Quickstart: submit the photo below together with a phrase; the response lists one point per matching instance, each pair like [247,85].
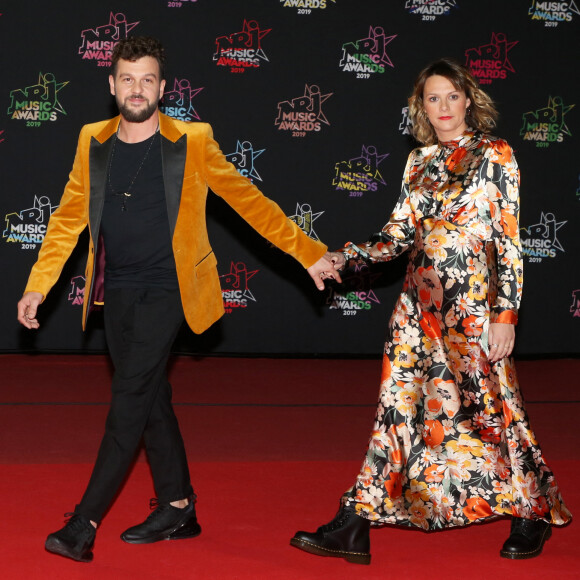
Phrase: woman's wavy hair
[480,115]
[136,47]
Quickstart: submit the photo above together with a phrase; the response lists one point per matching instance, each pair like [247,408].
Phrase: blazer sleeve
[263,214]
[64,227]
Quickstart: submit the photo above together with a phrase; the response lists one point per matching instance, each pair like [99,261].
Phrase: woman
[451,444]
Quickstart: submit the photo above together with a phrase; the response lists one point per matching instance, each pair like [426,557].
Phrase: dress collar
[462,141]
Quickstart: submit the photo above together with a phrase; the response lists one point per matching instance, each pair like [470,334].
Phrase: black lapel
[173,159]
[98,167]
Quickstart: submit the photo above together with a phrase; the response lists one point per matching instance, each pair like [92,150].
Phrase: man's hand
[27,308]
[323,269]
[501,340]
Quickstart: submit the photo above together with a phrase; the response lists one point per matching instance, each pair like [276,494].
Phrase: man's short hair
[136,47]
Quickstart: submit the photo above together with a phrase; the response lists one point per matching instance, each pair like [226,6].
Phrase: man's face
[137,88]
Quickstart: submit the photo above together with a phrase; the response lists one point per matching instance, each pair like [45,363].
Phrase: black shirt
[135,228]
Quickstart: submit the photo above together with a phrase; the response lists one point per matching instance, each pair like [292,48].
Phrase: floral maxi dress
[452,443]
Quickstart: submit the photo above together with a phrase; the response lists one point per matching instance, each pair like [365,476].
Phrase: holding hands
[326,267]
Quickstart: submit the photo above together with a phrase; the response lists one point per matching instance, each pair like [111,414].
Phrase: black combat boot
[346,536]
[526,539]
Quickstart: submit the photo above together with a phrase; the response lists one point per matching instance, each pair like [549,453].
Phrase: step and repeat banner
[308,99]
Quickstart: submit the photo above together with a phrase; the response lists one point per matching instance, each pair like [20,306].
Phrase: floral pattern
[452,443]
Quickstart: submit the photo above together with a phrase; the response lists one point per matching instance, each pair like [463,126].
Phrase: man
[139,182]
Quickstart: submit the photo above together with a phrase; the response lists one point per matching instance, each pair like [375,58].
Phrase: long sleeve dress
[452,443]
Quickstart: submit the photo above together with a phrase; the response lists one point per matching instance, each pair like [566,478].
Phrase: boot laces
[336,523]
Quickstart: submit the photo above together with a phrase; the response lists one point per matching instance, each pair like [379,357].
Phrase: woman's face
[445,107]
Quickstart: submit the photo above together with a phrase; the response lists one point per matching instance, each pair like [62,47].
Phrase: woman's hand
[501,340]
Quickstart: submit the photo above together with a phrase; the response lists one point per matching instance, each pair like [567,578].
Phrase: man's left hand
[323,269]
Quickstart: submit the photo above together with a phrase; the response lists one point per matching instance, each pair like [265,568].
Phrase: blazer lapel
[173,155]
[99,154]
[173,158]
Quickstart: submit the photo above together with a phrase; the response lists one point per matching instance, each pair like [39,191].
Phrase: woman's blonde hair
[480,115]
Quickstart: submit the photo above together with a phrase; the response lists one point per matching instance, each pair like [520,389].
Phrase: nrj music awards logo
[235,288]
[28,226]
[76,296]
[98,43]
[304,218]
[360,174]
[178,103]
[553,12]
[368,55]
[546,125]
[405,126]
[575,308]
[241,50]
[430,9]
[541,240]
[306,6]
[356,294]
[37,103]
[490,61]
[243,159]
[303,114]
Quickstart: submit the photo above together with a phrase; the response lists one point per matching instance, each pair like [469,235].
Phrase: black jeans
[140,326]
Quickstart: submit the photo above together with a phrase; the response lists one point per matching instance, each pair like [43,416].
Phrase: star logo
[546,230]
[497,50]
[237,279]
[243,159]
[304,218]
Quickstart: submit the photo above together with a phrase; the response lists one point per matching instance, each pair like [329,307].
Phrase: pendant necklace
[127,194]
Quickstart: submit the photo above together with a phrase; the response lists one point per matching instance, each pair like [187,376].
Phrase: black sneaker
[166,522]
[75,540]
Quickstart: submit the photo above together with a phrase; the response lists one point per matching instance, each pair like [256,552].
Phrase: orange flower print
[491,435]
[418,514]
[509,224]
[435,473]
[455,158]
[473,325]
[394,485]
[429,287]
[477,508]
[430,325]
[434,433]
[507,415]
[502,152]
[386,370]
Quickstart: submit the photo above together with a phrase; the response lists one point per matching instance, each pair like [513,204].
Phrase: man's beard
[137,116]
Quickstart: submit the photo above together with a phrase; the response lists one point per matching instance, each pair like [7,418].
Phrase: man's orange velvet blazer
[192,161]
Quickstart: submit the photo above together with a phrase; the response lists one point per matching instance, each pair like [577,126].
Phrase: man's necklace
[127,194]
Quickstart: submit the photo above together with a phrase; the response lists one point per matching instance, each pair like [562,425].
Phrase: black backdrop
[307,97]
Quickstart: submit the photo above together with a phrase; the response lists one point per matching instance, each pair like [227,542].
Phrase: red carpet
[272,445]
